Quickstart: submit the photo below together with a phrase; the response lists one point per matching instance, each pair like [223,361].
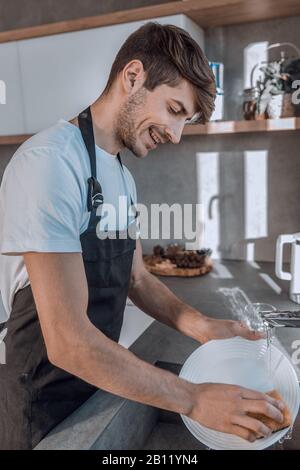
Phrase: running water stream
[249,313]
[244,310]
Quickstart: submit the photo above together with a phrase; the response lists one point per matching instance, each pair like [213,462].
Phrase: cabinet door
[61,74]
[11,103]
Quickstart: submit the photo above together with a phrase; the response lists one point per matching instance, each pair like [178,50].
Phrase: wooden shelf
[212,128]
[205,13]
[238,127]
[13,139]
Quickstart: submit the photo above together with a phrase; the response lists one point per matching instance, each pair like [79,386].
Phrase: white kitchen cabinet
[12,111]
[61,74]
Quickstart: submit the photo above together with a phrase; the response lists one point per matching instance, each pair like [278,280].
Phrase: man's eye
[173,111]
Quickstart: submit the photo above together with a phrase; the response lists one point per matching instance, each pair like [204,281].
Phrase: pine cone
[173,249]
[158,250]
[189,259]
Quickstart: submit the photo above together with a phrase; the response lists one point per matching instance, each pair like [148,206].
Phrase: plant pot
[281,106]
[261,117]
[250,96]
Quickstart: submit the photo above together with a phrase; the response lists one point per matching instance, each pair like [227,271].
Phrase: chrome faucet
[281,318]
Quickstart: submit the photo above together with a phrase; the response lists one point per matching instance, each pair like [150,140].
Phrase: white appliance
[294,275]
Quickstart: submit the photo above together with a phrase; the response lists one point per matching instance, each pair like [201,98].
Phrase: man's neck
[104,125]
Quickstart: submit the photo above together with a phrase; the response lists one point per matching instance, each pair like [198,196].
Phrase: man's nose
[174,134]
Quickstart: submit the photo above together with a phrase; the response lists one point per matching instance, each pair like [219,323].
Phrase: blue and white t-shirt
[43,201]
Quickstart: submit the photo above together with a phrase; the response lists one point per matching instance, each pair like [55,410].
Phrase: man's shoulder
[53,156]
[51,149]
[55,137]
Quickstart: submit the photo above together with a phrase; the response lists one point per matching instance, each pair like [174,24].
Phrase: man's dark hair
[169,54]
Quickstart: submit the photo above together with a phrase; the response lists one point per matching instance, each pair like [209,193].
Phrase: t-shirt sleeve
[40,204]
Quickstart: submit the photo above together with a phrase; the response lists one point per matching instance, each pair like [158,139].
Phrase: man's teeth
[153,136]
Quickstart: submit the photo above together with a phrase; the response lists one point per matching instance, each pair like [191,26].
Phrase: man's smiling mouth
[154,136]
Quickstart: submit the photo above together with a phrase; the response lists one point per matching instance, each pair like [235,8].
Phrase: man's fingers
[242,330]
[255,335]
[252,424]
[254,395]
[243,433]
[262,407]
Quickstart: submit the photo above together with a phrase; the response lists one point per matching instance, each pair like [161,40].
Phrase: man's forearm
[107,365]
[154,298]
[98,360]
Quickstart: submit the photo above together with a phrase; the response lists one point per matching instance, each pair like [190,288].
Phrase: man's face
[150,118]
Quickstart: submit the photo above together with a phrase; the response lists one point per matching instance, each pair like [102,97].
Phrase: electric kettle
[294,274]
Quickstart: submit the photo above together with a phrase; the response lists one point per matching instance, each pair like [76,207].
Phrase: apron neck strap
[86,127]
[95,196]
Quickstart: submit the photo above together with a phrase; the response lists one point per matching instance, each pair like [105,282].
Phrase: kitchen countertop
[98,423]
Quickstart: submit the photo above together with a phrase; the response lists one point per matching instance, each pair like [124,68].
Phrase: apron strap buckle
[95,196]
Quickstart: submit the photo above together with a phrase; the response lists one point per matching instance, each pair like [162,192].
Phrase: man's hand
[165,307]
[224,408]
[210,328]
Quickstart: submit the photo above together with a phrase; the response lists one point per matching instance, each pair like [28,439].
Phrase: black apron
[34,394]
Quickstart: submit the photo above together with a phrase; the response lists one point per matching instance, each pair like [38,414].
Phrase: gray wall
[171,174]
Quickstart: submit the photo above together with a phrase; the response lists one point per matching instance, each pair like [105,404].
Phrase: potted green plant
[273,100]
[273,89]
[292,69]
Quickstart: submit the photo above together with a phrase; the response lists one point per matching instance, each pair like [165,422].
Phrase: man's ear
[133,76]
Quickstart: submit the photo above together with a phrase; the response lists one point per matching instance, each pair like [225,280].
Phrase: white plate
[241,362]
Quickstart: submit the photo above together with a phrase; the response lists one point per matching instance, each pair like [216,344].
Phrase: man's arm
[60,291]
[73,343]
[153,297]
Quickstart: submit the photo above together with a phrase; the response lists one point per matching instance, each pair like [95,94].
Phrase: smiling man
[64,288]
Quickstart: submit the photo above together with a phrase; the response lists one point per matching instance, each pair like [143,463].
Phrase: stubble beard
[126,131]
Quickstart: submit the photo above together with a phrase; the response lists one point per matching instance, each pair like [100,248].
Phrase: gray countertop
[257,280]
[99,422]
